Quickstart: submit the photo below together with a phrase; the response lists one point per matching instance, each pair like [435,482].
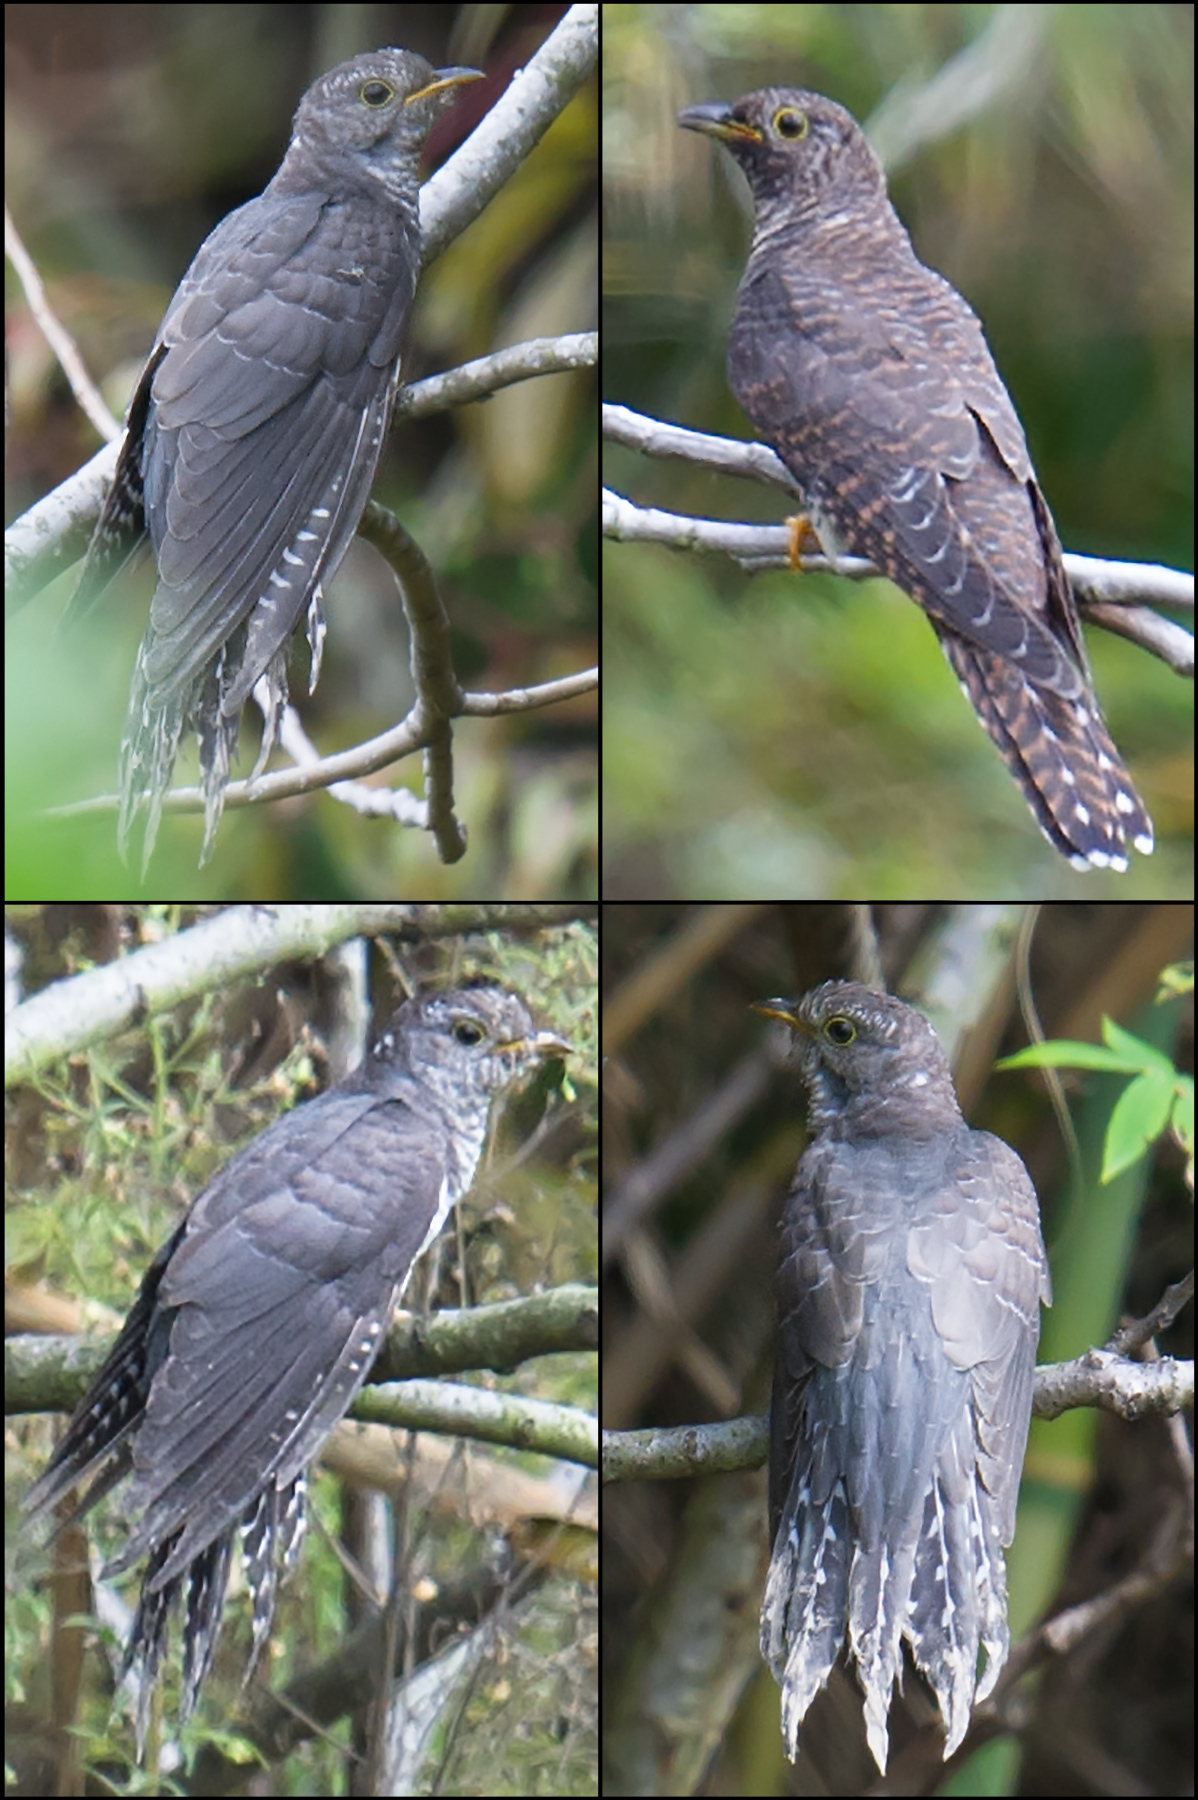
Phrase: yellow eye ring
[791,124]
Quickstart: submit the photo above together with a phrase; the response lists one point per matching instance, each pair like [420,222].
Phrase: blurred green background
[785,736]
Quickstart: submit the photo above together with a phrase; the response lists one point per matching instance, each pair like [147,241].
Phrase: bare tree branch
[1109,594]
[1097,1378]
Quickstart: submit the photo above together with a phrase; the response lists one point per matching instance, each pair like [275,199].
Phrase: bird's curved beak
[775,1009]
[785,1010]
[446,78]
[716,119]
[541,1043]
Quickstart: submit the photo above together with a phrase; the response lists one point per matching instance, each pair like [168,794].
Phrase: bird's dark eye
[377,93]
[468,1032]
[790,123]
[840,1032]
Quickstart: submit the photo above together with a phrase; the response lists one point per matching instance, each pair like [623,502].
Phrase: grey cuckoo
[911,1276]
[258,1321]
[255,431]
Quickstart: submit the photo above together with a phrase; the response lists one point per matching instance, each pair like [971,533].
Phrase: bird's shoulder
[893,356]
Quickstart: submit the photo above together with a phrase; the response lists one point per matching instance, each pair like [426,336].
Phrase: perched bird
[255,431]
[911,1275]
[869,376]
[258,1321]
